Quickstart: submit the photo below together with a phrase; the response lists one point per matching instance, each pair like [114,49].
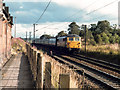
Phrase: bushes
[92,41]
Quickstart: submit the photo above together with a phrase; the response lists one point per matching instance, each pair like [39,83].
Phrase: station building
[6,22]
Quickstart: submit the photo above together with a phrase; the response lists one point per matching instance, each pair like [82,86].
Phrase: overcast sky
[60,14]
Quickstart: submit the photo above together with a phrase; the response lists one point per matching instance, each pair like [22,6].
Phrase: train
[71,42]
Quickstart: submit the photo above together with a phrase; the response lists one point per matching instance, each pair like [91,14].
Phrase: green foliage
[62,33]
[118,32]
[82,33]
[103,33]
[102,26]
[93,27]
[116,38]
[74,28]
[112,39]
[92,41]
[100,33]
[98,39]
[119,40]
[105,38]
[90,35]
[45,36]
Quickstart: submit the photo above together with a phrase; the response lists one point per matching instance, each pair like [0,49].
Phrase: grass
[110,53]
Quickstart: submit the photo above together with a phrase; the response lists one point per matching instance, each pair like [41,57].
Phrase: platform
[16,73]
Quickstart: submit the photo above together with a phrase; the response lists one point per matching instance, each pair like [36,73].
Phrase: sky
[59,14]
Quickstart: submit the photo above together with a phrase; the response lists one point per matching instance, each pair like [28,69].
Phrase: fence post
[34,63]
[27,49]
[83,78]
[39,71]
[64,80]
[47,75]
[32,58]
[29,53]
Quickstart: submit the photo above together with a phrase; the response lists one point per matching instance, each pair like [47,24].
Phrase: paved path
[16,73]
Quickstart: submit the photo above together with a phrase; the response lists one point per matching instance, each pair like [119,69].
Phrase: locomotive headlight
[78,43]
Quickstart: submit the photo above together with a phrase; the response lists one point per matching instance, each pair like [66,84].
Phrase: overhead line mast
[39,19]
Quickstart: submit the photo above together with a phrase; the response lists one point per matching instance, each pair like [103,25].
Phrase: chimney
[11,18]
[7,10]
[4,6]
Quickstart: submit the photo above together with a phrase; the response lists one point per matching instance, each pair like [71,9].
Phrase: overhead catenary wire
[102,7]
[99,8]
[80,10]
[89,12]
[73,14]
[43,11]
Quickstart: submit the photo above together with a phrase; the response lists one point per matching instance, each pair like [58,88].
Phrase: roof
[69,35]
[72,35]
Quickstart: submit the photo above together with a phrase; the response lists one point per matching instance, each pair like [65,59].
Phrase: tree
[73,28]
[90,35]
[62,33]
[112,39]
[116,38]
[45,36]
[92,41]
[118,32]
[82,33]
[98,39]
[93,27]
[103,26]
[105,38]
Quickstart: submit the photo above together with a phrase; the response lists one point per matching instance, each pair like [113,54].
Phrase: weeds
[105,52]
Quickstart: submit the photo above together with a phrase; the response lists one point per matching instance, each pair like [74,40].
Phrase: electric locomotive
[72,42]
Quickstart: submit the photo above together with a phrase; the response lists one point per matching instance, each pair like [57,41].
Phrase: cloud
[26,0]
[86,5]
[44,28]
[21,7]
[55,13]
[89,5]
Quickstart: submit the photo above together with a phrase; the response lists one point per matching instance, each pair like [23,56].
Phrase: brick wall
[5,34]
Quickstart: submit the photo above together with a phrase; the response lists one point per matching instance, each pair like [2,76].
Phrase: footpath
[16,73]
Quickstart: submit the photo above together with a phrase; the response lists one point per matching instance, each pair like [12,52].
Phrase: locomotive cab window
[65,39]
[70,39]
[77,39]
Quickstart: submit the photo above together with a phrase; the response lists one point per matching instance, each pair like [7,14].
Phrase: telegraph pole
[15,29]
[26,35]
[85,37]
[34,31]
[29,36]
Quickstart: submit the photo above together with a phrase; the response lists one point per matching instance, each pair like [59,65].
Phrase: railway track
[102,64]
[98,62]
[101,77]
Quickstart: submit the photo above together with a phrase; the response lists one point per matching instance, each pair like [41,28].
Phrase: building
[6,22]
